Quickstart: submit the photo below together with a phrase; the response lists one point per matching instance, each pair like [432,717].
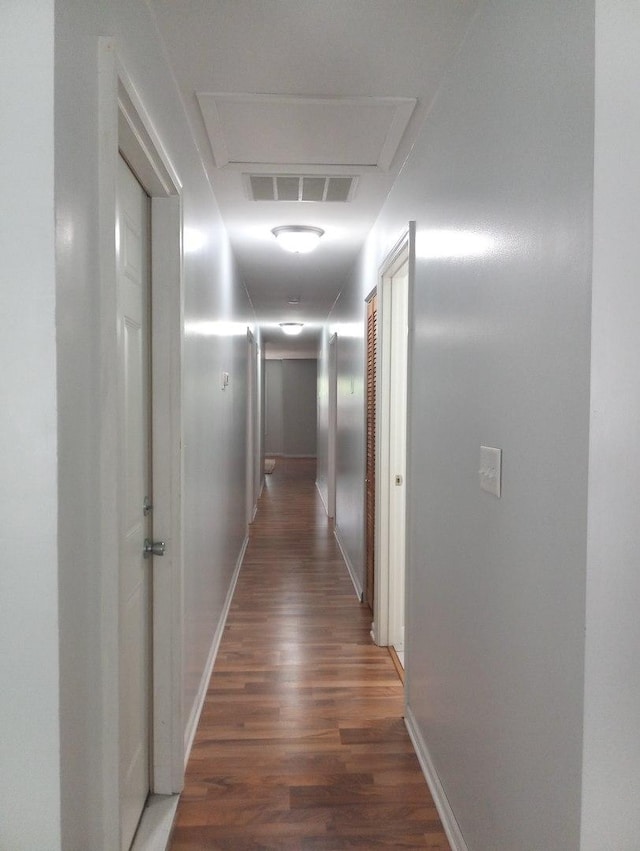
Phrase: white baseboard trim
[322,499]
[194,717]
[347,561]
[156,824]
[448,819]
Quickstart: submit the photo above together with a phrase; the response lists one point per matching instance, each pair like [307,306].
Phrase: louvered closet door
[372,320]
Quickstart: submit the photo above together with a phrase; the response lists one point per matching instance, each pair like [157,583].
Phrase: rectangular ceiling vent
[287,187]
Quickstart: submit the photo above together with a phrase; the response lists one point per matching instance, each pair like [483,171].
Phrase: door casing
[135,475]
[124,126]
[403,252]
[333,426]
[395,392]
[253,451]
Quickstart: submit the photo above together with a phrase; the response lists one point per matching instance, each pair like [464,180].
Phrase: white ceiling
[306,87]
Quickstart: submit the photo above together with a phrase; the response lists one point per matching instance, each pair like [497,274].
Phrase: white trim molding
[126,127]
[194,718]
[398,256]
[349,565]
[447,817]
[156,824]
[322,499]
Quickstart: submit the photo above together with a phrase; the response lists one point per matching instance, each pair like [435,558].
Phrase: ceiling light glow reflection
[216,329]
[298,239]
[353,330]
[291,329]
[444,244]
[193,240]
[269,326]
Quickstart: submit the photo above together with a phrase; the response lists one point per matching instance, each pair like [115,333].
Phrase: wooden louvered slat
[372,336]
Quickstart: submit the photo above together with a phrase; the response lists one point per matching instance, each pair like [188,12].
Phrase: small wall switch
[490,471]
[224,380]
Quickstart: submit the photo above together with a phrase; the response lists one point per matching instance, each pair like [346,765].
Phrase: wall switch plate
[224,380]
[490,471]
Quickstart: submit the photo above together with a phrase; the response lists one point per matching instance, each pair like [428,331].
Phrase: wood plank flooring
[301,743]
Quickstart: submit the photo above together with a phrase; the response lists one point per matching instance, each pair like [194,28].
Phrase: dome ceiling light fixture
[291,329]
[299,239]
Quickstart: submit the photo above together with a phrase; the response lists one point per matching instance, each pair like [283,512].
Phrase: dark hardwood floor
[301,743]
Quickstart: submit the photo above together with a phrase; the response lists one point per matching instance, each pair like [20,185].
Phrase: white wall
[500,356]
[29,719]
[291,407]
[55,785]
[346,320]
[300,408]
[291,349]
[611,803]
[273,407]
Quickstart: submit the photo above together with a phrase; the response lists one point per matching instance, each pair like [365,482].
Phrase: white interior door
[399,291]
[133,220]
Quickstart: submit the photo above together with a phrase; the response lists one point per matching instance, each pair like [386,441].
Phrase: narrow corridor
[301,742]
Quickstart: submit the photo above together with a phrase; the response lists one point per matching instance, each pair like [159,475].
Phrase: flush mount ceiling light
[299,239]
[291,329]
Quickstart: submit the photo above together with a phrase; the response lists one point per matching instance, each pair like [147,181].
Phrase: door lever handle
[153,548]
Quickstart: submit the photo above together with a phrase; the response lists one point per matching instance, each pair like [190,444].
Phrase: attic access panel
[252,131]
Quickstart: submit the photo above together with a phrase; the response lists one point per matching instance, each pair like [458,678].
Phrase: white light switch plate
[490,471]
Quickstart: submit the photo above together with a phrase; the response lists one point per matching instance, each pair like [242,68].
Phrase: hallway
[301,743]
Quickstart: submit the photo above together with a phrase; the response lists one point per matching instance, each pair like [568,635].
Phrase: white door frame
[125,126]
[252,426]
[332,431]
[401,253]
[258,464]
